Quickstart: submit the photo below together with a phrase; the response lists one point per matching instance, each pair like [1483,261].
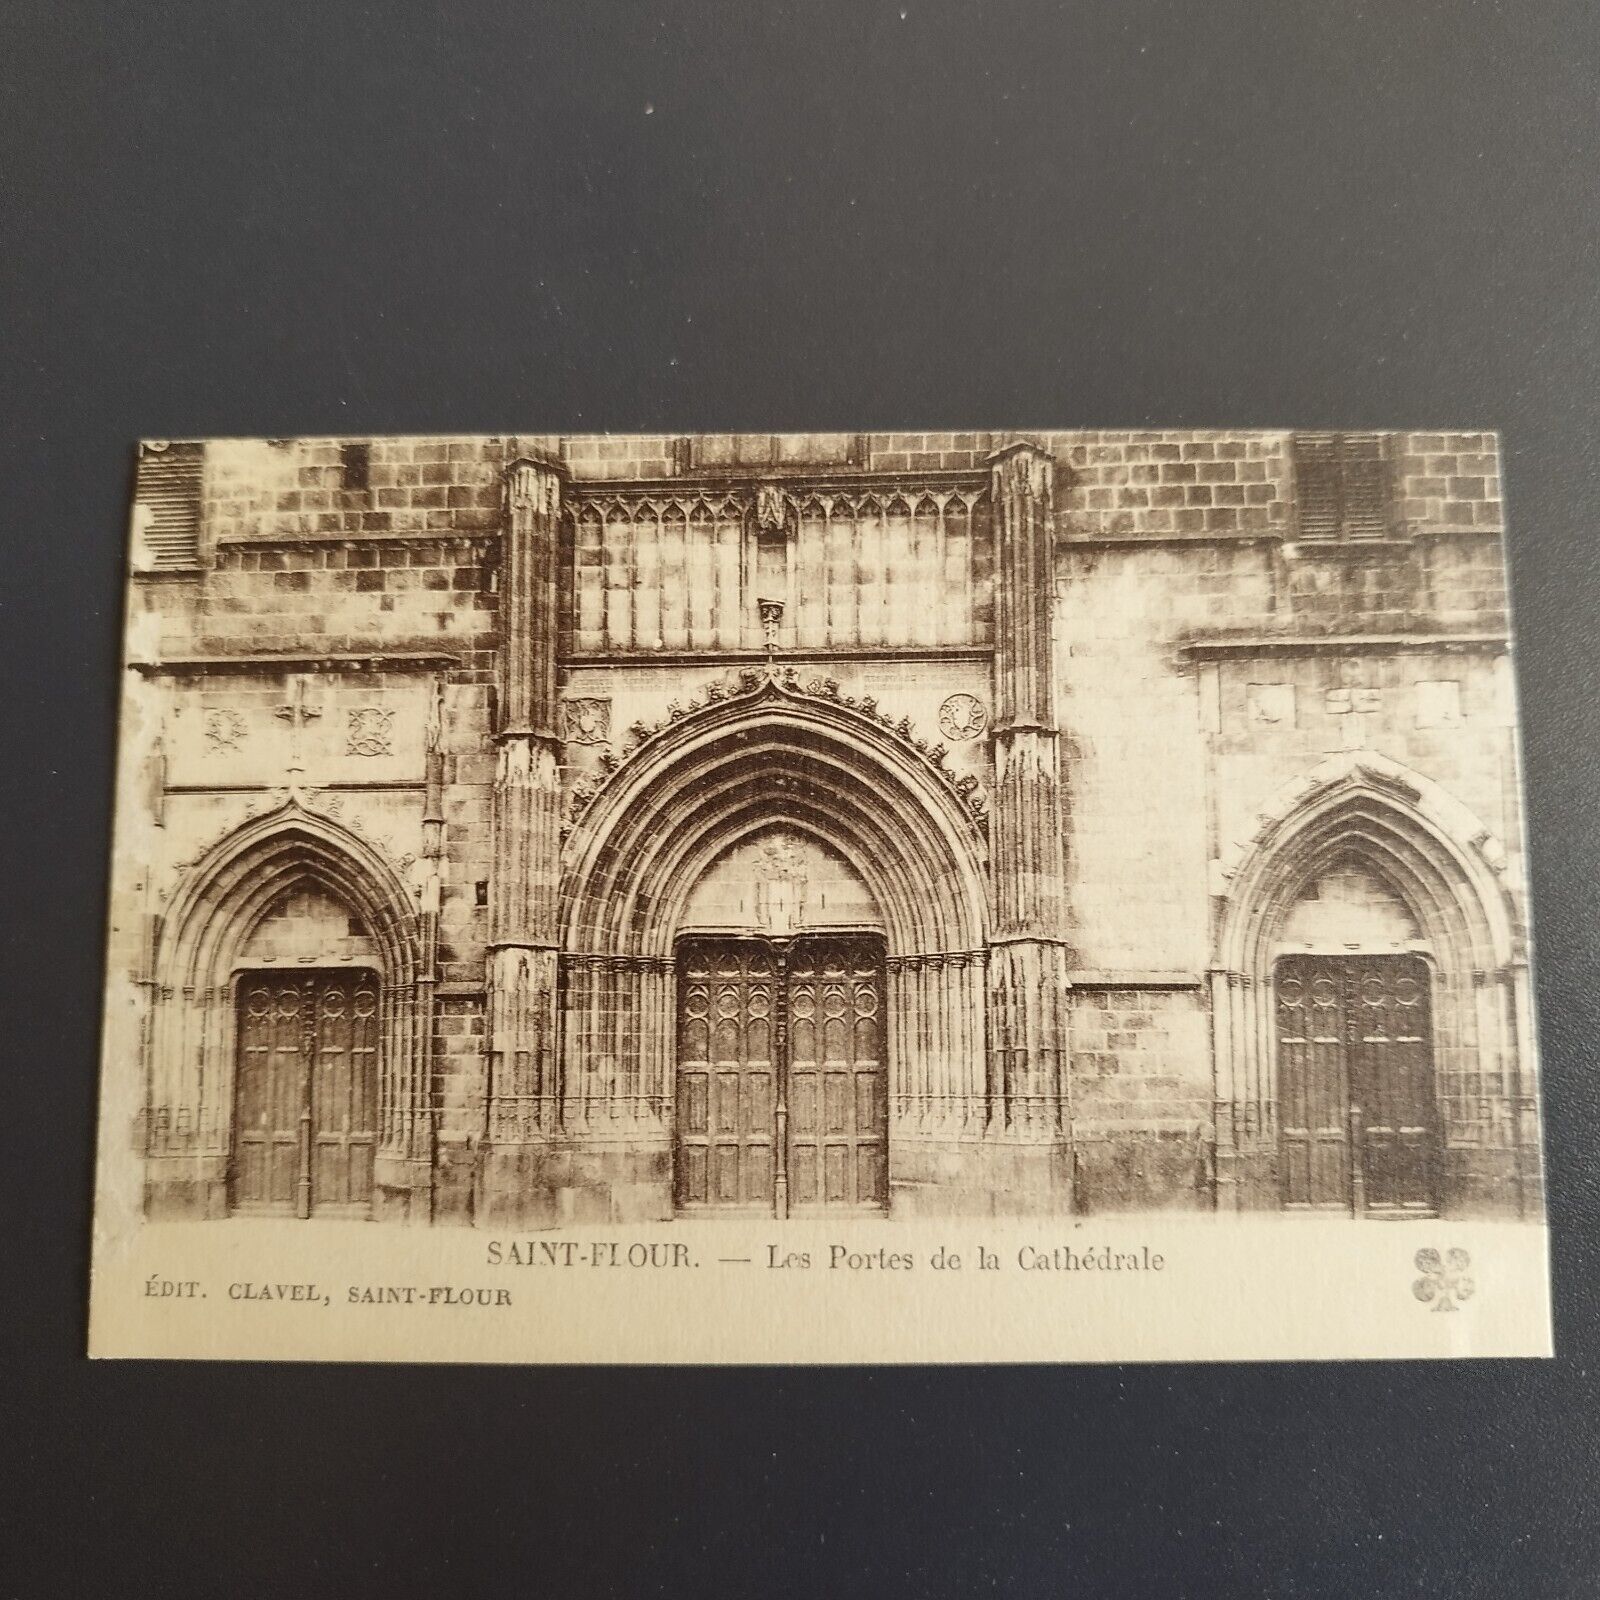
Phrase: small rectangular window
[1343,486]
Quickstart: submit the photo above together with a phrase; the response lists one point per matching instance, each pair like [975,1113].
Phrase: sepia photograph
[532,834]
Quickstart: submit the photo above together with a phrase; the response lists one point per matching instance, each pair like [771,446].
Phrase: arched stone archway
[771,754]
[1432,877]
[767,752]
[279,865]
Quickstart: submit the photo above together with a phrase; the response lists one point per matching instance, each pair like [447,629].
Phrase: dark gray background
[276,219]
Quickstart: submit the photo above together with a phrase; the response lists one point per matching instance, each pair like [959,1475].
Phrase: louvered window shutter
[1316,465]
[1343,485]
[1366,486]
[168,494]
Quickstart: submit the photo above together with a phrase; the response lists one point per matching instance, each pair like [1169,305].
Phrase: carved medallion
[963,716]
[370,732]
[224,731]
[586,721]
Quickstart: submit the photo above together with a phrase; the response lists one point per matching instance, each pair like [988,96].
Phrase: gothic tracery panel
[867,567]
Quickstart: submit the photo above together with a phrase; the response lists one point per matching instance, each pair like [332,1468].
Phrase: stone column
[1027,963]
[522,1093]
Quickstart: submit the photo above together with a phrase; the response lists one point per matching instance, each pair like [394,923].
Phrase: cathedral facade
[532,830]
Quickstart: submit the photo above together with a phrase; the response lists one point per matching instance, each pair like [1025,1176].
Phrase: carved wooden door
[305,1096]
[1357,1110]
[727,1076]
[1392,1082]
[837,1089]
[782,1097]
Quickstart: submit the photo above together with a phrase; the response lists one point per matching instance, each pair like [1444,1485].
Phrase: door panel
[726,1079]
[790,1032]
[1357,1114]
[1392,1083]
[305,1098]
[343,1115]
[837,1089]
[1313,1090]
[271,1072]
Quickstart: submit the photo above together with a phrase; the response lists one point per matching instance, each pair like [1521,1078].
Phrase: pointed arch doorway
[654,863]
[1367,1004]
[782,1066]
[291,1032]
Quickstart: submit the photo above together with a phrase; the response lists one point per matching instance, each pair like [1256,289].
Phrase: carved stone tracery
[877,562]
[771,509]
[369,731]
[963,716]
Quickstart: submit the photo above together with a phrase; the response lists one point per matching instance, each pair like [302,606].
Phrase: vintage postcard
[820,898]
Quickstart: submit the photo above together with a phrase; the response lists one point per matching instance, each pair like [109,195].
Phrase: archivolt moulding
[282,812]
[1412,823]
[751,685]
[766,748]
[291,834]
[1352,770]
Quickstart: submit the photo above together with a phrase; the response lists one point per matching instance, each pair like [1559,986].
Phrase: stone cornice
[1243,647]
[287,538]
[1146,980]
[796,481]
[751,656]
[352,661]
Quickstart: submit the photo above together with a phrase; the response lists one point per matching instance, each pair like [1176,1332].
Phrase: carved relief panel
[257,729]
[586,720]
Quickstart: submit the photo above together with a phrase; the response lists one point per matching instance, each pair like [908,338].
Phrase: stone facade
[1084,733]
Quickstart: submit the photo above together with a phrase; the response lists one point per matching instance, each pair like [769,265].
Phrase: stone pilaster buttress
[523,1092]
[1027,962]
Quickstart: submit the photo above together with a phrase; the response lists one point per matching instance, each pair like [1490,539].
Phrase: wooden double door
[782,1095]
[1357,1107]
[306,1093]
